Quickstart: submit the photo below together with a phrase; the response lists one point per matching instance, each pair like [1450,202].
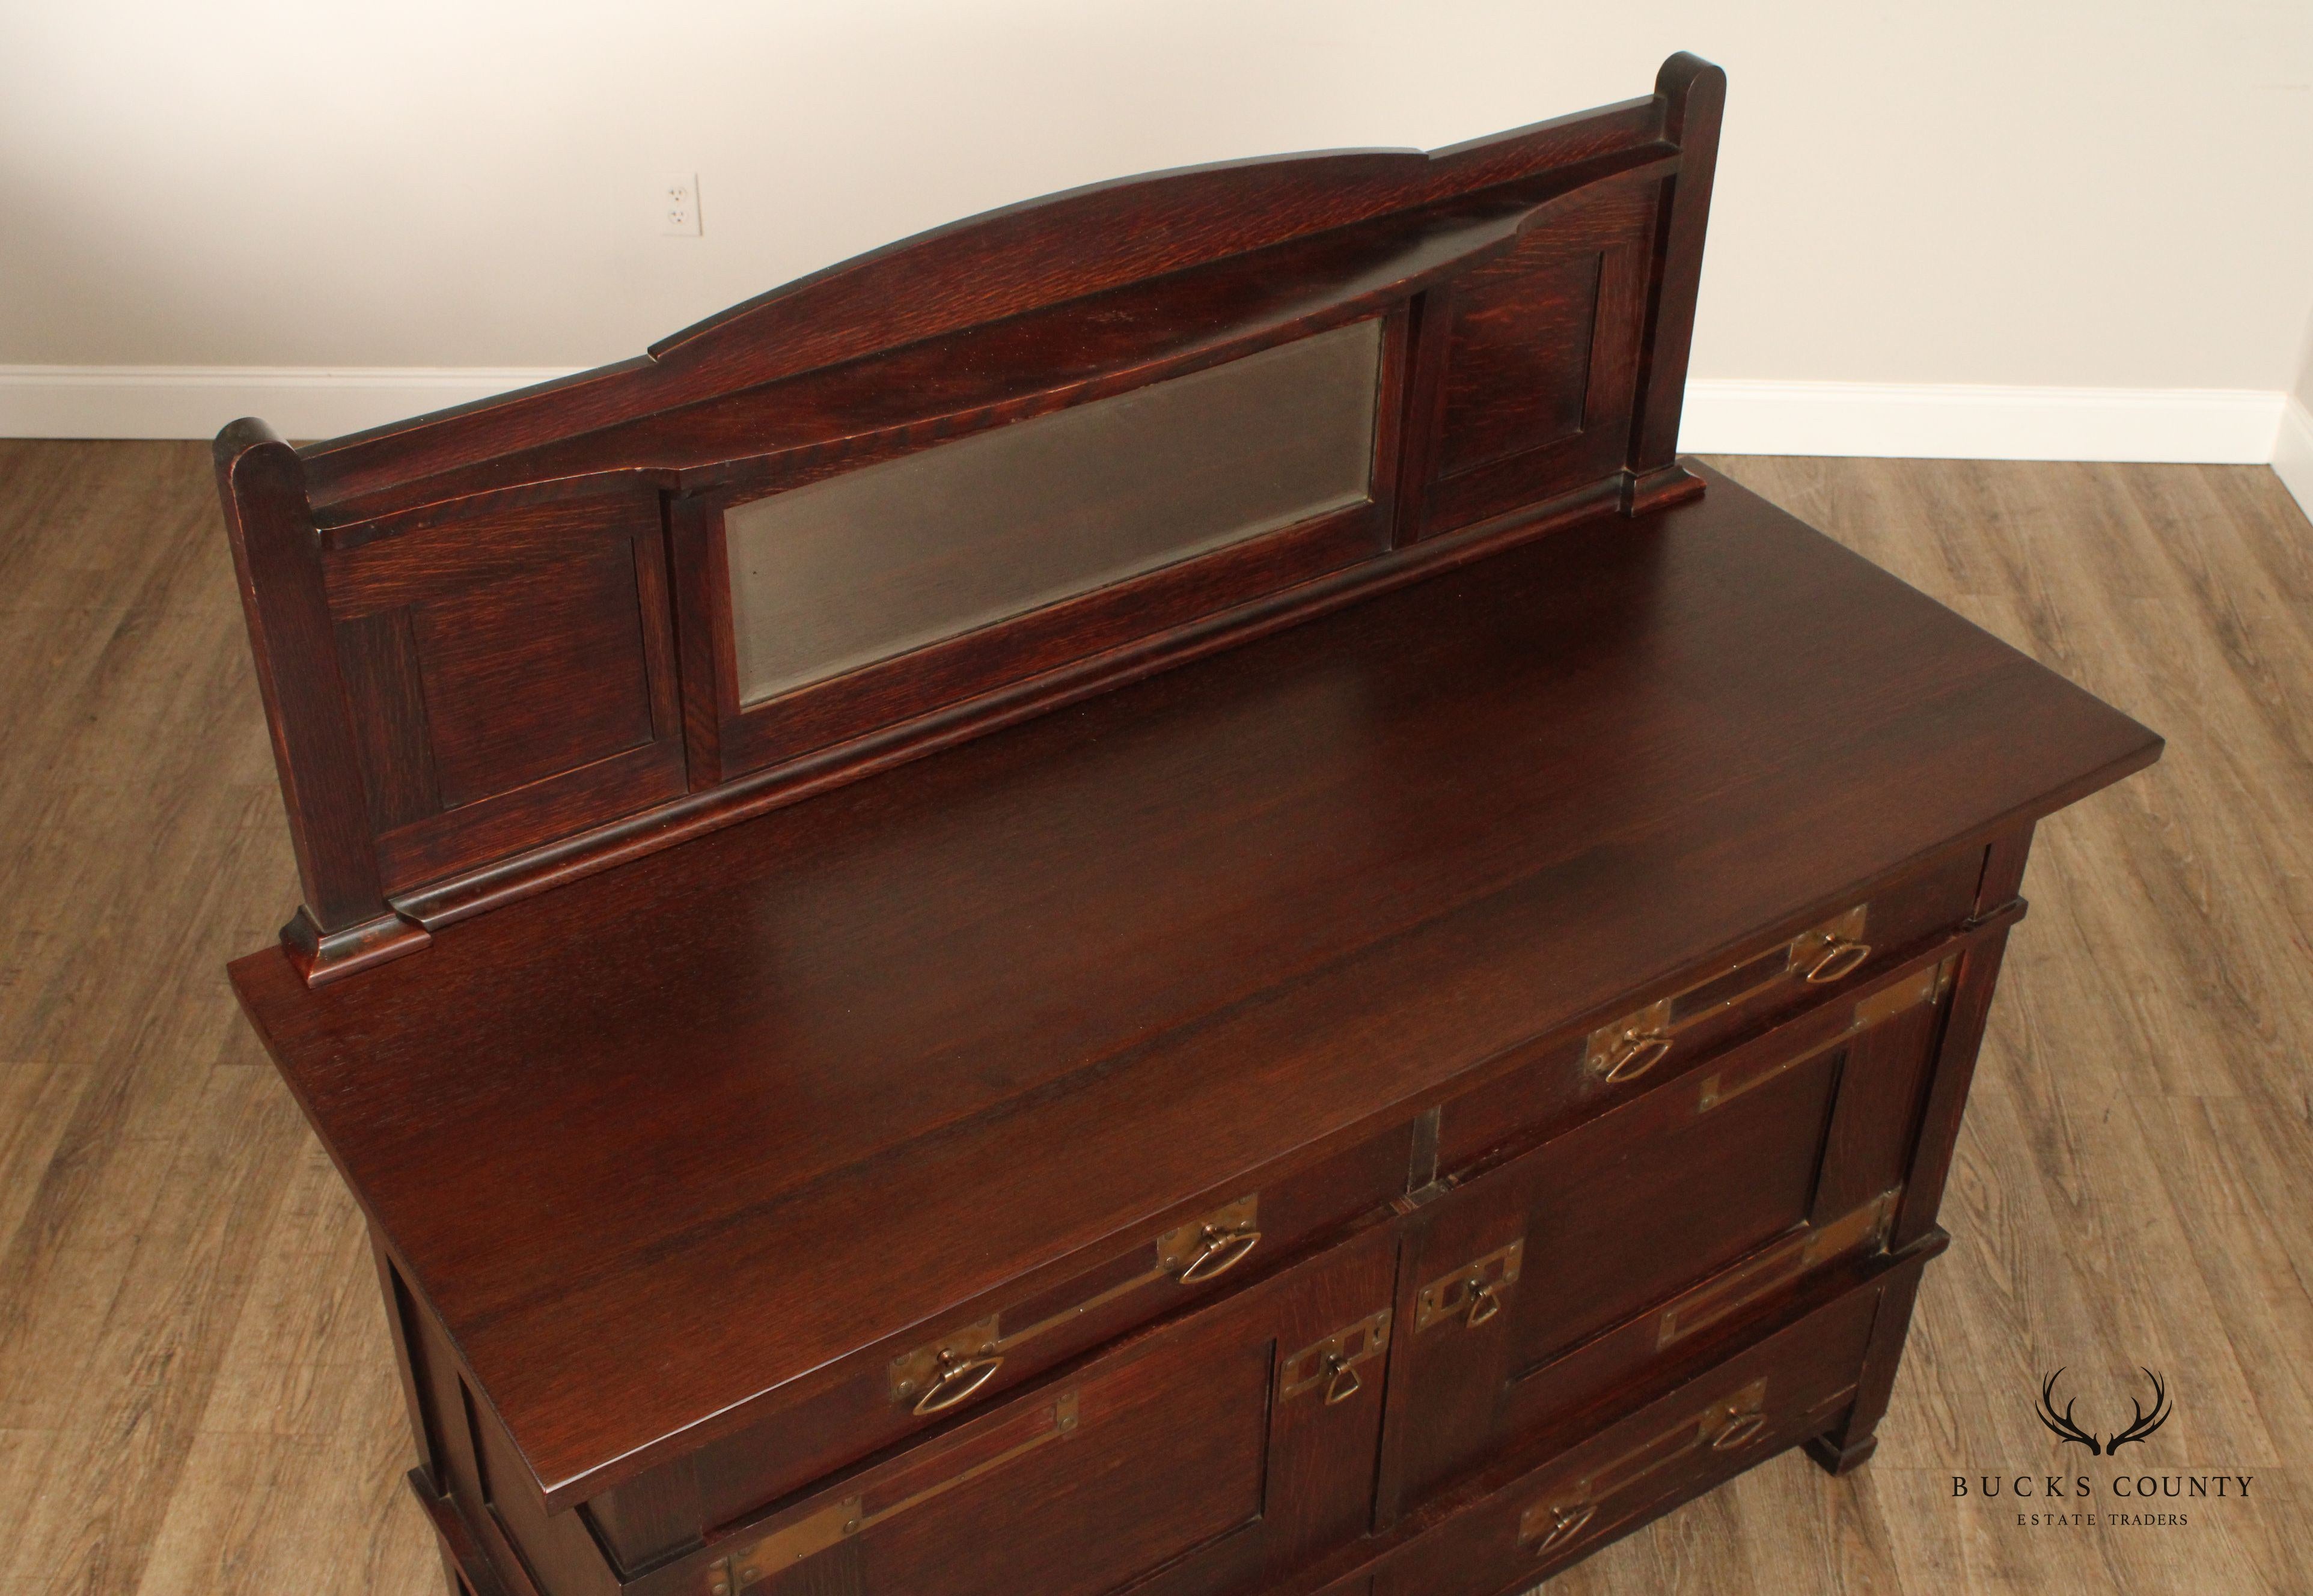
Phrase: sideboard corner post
[1693,92]
[344,923]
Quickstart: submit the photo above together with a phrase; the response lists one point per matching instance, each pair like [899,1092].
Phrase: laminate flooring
[196,1386]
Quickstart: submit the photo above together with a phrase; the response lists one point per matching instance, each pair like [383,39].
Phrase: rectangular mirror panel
[880,561]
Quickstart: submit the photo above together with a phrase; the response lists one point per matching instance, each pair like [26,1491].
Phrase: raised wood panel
[1518,372]
[385,680]
[510,673]
[535,674]
[1530,363]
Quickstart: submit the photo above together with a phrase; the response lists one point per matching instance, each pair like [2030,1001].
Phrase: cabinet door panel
[1688,1211]
[1709,1425]
[1203,1457]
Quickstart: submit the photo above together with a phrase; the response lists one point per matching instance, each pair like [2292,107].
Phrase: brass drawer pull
[1725,1426]
[1629,1047]
[1638,1053]
[1218,1251]
[1841,959]
[955,1379]
[1565,1523]
[933,1378]
[1485,1301]
[1344,1383]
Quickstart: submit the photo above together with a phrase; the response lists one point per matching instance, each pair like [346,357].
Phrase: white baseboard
[2292,454]
[1936,421]
[192,401]
[1884,419]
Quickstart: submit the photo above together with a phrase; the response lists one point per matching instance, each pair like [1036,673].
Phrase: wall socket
[678,205]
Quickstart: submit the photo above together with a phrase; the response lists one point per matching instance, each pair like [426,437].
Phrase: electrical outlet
[678,205]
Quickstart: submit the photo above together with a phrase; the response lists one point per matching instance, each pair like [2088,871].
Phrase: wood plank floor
[196,1387]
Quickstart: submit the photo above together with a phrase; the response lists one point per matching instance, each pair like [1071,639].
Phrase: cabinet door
[1208,1455]
[1651,1231]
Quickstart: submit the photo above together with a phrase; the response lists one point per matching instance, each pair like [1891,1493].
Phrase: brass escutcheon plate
[1344,1349]
[1448,1296]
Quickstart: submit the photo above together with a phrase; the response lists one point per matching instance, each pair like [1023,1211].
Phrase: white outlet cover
[674,203]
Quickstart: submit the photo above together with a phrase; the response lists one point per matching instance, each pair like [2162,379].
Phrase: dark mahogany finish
[1385,1104]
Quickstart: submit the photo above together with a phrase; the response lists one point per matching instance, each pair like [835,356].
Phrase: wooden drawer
[1209,1455]
[1699,1011]
[1704,1199]
[1777,1392]
[987,1348]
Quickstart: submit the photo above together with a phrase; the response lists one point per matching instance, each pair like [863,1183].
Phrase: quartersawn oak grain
[971,1016]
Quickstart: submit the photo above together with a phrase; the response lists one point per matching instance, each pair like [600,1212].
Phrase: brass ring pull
[1220,1252]
[1741,1434]
[1485,1301]
[1637,1056]
[1841,959]
[1565,1526]
[956,1380]
[1345,1382]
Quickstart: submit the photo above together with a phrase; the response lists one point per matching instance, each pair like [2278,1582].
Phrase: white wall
[2292,447]
[2090,194]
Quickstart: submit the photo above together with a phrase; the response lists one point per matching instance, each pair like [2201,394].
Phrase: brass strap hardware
[814,1532]
[1728,1425]
[1778,1265]
[953,1369]
[1628,1048]
[1474,1292]
[1422,1165]
[1334,1361]
[1926,986]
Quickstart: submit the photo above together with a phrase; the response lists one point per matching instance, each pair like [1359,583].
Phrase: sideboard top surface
[745,1107]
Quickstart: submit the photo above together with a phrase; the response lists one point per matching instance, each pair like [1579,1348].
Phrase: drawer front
[1706,1010]
[1780,1391]
[1206,1456]
[1683,1213]
[965,1362]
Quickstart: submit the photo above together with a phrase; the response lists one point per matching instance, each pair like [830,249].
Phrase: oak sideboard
[1139,895]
